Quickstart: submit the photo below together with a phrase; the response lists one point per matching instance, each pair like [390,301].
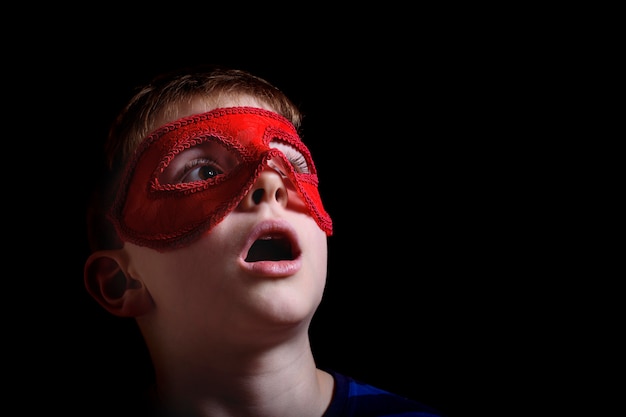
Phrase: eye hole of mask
[297,159]
[201,162]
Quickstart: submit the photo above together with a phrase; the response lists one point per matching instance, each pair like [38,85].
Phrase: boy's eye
[201,162]
[200,169]
[297,159]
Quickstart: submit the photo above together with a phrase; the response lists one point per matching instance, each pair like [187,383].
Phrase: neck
[280,381]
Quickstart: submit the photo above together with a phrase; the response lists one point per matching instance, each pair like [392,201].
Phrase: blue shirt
[353,398]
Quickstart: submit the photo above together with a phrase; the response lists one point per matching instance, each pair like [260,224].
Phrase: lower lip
[273,269]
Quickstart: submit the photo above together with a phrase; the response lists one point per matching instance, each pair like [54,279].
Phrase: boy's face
[257,271]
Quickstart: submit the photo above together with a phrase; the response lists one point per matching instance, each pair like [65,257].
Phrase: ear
[107,280]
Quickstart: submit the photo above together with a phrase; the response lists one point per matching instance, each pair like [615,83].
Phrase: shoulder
[354,398]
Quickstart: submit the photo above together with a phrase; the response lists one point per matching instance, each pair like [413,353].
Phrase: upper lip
[281,239]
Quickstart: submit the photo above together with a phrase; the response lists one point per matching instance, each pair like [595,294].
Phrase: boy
[210,232]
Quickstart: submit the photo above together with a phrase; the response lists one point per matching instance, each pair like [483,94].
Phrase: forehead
[201,104]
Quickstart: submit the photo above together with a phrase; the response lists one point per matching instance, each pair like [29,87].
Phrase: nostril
[257,195]
[280,194]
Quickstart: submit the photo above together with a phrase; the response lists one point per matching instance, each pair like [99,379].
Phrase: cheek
[318,263]
[174,277]
[318,247]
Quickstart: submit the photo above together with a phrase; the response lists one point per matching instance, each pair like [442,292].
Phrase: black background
[416,137]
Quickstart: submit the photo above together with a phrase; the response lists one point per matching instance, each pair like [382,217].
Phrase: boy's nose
[270,187]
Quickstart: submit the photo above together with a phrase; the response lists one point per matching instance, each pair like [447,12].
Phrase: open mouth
[271,248]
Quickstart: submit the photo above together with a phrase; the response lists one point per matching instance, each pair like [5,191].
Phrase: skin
[228,337]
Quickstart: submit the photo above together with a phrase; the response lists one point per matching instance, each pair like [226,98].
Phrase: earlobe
[108,282]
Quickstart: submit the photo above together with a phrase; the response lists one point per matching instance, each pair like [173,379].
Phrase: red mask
[163,206]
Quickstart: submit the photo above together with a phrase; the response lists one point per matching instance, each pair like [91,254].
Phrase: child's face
[259,269]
